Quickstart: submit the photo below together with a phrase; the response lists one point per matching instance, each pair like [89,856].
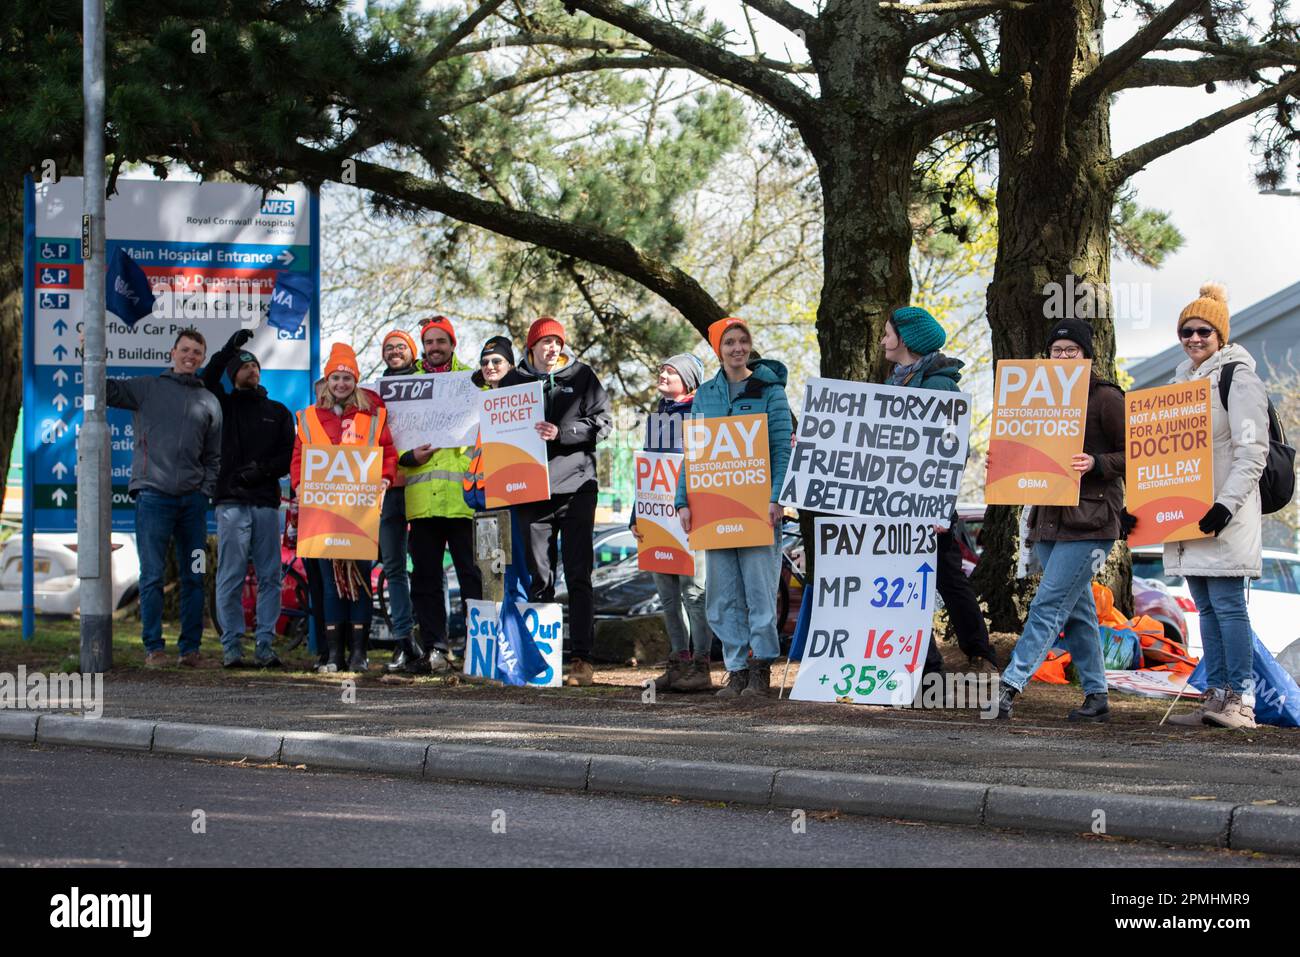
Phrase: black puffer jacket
[576,402]
[256,441]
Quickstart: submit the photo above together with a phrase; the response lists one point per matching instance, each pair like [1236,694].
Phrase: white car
[1273,601]
[57,588]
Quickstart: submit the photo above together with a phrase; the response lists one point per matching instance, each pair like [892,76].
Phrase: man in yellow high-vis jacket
[436,510]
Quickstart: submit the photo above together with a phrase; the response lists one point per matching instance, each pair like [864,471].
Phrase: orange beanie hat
[718,329]
[1212,306]
[342,359]
[405,337]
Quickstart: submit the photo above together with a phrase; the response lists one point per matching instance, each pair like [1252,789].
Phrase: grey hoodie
[177,432]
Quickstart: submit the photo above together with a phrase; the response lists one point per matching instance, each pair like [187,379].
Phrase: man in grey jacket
[177,431]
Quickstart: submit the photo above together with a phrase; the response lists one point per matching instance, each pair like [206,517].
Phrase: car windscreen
[1152,565]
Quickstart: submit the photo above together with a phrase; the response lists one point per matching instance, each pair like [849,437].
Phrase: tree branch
[1122,167]
[592,245]
[567,68]
[1097,83]
[958,6]
[464,29]
[938,26]
[981,80]
[786,14]
[1158,72]
[953,113]
[780,93]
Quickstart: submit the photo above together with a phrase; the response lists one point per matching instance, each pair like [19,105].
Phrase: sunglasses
[1203,332]
[492,362]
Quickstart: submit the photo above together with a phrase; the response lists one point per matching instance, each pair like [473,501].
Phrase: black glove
[1215,520]
[1127,523]
[236,341]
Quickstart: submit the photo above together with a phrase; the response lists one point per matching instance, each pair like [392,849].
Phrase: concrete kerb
[1273,830]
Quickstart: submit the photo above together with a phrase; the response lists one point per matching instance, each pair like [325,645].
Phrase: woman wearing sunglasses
[1216,566]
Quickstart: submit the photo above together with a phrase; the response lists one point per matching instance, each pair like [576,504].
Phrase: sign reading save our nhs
[212,253]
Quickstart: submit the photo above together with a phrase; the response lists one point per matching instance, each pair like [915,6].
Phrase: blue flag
[1277,698]
[290,300]
[800,637]
[518,660]
[128,294]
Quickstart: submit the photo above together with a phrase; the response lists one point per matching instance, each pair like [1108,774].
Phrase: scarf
[902,375]
[427,367]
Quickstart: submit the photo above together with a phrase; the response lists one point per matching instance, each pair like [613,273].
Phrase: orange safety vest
[312,431]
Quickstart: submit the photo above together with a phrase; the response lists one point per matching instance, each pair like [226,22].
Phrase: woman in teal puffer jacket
[741,583]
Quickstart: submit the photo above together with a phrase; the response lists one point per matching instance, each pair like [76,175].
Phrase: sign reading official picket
[440,410]
[873,604]
[878,450]
[514,455]
[1169,466]
[1039,412]
[663,546]
[339,499]
[728,482]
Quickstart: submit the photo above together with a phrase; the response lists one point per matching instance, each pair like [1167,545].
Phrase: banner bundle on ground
[878,450]
[663,545]
[339,498]
[1169,461]
[544,625]
[873,605]
[438,410]
[1039,411]
[514,455]
[728,482]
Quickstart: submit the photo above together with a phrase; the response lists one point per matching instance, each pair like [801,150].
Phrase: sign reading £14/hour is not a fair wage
[1169,468]
[728,482]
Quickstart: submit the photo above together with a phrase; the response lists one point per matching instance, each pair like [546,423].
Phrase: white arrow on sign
[60,401]
[52,430]
[59,470]
[60,377]
[286,257]
[59,496]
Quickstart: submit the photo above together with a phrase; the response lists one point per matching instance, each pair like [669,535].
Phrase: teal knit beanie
[919,330]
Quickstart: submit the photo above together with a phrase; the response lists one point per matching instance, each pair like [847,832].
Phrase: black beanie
[238,361]
[1076,330]
[498,346]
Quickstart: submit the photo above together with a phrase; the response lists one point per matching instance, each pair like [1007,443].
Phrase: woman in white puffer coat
[1216,567]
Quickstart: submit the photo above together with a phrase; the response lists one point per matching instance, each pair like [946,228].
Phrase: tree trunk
[11,323]
[1053,257]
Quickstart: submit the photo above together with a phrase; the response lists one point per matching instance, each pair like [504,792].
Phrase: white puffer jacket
[1240,435]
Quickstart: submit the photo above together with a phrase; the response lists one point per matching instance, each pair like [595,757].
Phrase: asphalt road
[76,807]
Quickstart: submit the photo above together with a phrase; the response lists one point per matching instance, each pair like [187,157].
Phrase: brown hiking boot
[696,676]
[760,678]
[678,668]
[1213,702]
[1233,714]
[737,681]
[189,660]
[156,659]
[581,674]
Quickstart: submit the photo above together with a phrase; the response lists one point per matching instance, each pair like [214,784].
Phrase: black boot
[332,653]
[401,657]
[418,661]
[1006,695]
[736,682]
[357,638]
[1096,707]
[760,678]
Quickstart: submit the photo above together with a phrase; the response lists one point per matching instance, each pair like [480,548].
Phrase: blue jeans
[338,609]
[158,519]
[392,552]
[1063,603]
[1225,631]
[678,592]
[741,601]
[247,532]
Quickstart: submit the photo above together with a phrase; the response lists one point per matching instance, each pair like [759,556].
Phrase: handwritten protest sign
[873,603]
[339,496]
[1039,408]
[663,547]
[544,623]
[514,455]
[1169,468]
[878,450]
[439,410]
[728,482]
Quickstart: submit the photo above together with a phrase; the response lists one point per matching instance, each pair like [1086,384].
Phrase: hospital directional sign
[212,252]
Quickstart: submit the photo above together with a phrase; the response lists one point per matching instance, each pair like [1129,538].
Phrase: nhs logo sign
[277,207]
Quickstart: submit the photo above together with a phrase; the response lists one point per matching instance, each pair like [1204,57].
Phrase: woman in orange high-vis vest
[345,415]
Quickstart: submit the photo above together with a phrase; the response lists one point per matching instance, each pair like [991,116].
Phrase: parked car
[57,590]
[1273,600]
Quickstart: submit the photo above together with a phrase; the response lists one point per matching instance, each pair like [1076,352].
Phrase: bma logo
[277,207]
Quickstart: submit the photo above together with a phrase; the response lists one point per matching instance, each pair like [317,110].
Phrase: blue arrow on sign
[926,571]
[60,351]
[60,326]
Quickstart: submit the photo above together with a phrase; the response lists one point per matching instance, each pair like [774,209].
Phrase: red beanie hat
[439,322]
[543,327]
[405,337]
[718,329]
[342,359]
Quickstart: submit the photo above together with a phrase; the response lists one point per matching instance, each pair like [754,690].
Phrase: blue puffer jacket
[764,393]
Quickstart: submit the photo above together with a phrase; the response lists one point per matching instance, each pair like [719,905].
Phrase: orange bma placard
[1169,461]
[515,467]
[340,492]
[728,482]
[1040,407]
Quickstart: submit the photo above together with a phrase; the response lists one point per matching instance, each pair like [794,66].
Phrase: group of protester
[196,441]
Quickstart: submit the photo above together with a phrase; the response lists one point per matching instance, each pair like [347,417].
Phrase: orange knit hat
[342,359]
[1212,306]
[718,329]
[405,337]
